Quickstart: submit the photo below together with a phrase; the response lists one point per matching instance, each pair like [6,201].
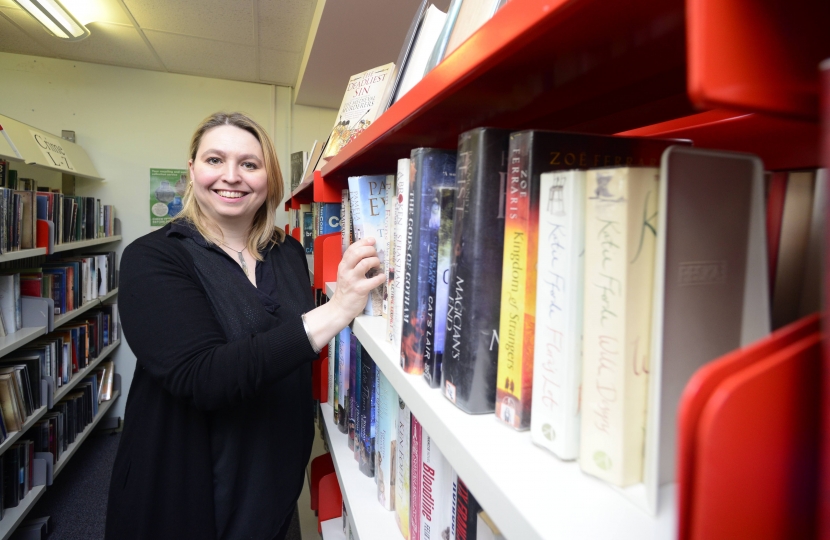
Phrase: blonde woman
[218,310]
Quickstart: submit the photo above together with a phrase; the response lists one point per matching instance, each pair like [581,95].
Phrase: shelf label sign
[53,151]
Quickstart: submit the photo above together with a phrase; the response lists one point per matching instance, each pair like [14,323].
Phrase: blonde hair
[264,230]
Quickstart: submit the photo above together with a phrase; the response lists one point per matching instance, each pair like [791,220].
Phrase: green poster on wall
[166,191]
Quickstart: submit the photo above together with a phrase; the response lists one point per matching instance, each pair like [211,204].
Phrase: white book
[8,303]
[416,64]
[399,252]
[436,476]
[402,463]
[389,266]
[386,441]
[557,363]
[102,268]
[332,360]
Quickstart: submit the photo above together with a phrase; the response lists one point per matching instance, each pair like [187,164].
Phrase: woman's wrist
[324,322]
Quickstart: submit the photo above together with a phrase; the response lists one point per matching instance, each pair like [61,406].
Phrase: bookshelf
[15,340]
[675,68]
[15,516]
[103,408]
[66,388]
[64,318]
[86,243]
[333,529]
[22,254]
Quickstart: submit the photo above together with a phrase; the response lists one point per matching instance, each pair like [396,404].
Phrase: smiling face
[230,182]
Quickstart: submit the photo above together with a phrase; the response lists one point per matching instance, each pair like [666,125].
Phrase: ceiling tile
[284,24]
[15,40]
[112,44]
[196,56]
[88,11]
[279,67]
[221,20]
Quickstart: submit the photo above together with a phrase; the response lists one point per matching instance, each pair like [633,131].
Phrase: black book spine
[470,359]
[11,497]
[432,169]
[367,414]
[467,509]
[354,391]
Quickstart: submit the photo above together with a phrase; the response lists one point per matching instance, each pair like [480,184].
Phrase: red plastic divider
[330,500]
[320,467]
[327,255]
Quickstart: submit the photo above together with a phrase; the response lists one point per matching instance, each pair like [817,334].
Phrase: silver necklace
[238,254]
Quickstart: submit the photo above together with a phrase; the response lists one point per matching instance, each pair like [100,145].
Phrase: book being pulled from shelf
[368,199]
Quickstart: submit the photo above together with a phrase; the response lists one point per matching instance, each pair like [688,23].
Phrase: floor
[77,501]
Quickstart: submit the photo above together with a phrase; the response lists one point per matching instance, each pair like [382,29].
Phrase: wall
[130,120]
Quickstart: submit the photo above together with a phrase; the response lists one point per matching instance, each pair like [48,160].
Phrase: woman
[218,310]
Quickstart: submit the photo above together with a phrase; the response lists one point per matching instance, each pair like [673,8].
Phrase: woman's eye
[212,161]
[249,165]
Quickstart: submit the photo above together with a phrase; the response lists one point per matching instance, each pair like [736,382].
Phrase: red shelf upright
[327,255]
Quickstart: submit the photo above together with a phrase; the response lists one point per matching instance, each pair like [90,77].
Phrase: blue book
[42,206]
[367,198]
[341,392]
[329,218]
[431,170]
[308,232]
[354,388]
[386,440]
[368,418]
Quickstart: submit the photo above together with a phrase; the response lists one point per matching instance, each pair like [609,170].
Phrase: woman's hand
[353,285]
[352,293]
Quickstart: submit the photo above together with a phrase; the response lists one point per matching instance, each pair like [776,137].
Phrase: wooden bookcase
[22,150]
[739,75]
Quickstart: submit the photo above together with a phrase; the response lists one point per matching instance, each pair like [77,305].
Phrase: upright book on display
[531,154]
[386,447]
[401,202]
[402,468]
[367,196]
[471,349]
[431,170]
[439,281]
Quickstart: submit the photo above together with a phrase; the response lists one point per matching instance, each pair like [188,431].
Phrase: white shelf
[86,243]
[69,315]
[530,494]
[15,516]
[66,388]
[81,437]
[333,529]
[370,521]
[13,436]
[22,254]
[15,340]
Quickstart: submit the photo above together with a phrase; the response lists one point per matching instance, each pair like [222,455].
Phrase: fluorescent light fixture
[56,18]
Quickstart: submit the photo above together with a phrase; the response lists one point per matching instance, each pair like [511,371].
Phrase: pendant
[242,262]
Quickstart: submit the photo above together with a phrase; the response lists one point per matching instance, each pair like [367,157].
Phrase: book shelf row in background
[40,252]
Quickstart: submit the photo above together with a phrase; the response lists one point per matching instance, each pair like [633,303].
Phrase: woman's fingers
[367,264]
[359,250]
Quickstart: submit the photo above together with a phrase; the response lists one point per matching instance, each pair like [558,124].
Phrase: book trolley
[16,146]
[738,75]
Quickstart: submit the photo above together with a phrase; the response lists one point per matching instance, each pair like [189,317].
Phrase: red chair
[320,467]
[331,500]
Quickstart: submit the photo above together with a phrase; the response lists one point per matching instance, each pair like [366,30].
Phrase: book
[329,218]
[620,237]
[467,509]
[331,367]
[354,388]
[341,387]
[470,360]
[430,170]
[531,154]
[415,464]
[557,365]
[405,53]
[386,448]
[345,222]
[298,164]
[471,15]
[8,302]
[439,280]
[389,259]
[428,32]
[403,468]
[368,411]
[362,104]
[436,476]
[443,38]
[308,232]
[312,161]
[367,196]
[402,184]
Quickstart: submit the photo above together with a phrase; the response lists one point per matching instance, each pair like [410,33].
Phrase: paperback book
[386,448]
[402,185]
[341,392]
[368,414]
[436,482]
[367,195]
[439,278]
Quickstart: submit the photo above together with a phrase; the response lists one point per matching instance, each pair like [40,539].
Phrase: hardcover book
[466,512]
[402,468]
[620,237]
[401,218]
[389,247]
[367,195]
[368,418]
[354,388]
[436,476]
[531,154]
[428,32]
[431,169]
[415,465]
[557,367]
[470,360]
[298,161]
[341,392]
[386,448]
[439,278]
[362,104]
[345,222]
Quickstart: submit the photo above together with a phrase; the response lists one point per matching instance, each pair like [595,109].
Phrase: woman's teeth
[230,194]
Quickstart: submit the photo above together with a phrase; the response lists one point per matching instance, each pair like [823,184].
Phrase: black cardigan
[188,375]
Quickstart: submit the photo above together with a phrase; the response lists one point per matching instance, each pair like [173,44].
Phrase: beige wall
[131,120]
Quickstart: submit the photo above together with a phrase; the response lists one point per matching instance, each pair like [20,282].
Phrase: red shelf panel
[757,55]
[541,64]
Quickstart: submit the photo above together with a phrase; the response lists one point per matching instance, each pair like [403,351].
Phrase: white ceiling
[244,40]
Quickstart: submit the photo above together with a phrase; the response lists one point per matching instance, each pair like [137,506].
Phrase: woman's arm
[175,336]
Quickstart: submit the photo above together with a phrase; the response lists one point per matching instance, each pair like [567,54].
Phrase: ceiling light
[56,19]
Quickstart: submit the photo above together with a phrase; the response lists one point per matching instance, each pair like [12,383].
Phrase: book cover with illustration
[399,253]
[436,476]
[557,368]
[431,169]
[329,218]
[354,388]
[367,195]
[386,448]
[402,468]
[439,279]
[341,393]
[389,259]
[368,414]
[362,104]
[470,360]
[532,153]
[620,239]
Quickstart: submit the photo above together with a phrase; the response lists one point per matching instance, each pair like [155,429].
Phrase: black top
[218,423]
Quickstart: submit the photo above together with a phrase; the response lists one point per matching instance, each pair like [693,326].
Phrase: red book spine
[415,480]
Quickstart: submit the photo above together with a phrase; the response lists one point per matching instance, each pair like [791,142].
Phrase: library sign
[53,151]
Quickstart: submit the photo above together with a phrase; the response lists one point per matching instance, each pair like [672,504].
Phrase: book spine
[452,508]
[435,473]
[620,238]
[516,331]
[345,222]
[439,289]
[557,370]
[342,390]
[354,388]
[331,368]
[366,457]
[402,186]
[470,360]
[386,441]
[466,512]
[389,260]
[402,468]
[415,480]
